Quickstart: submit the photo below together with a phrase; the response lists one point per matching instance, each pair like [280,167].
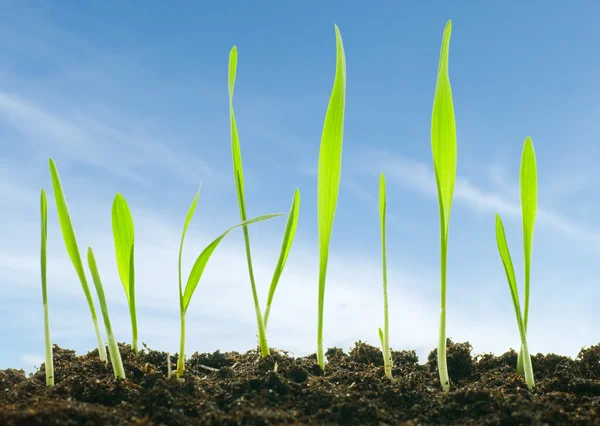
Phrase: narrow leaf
[188,219]
[286,245]
[528,192]
[49,361]
[508,265]
[443,133]
[202,260]
[123,235]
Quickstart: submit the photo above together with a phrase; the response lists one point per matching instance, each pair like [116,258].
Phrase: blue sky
[133,98]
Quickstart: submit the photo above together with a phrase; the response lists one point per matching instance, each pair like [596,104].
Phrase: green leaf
[508,266]
[528,192]
[71,245]
[381,339]
[329,171]
[202,260]
[188,219]
[235,140]
[123,234]
[286,245]
[443,133]
[44,241]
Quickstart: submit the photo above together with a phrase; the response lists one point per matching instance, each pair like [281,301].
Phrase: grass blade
[443,145]
[286,245]
[49,364]
[514,292]
[71,245]
[385,336]
[238,173]
[528,193]
[329,172]
[123,235]
[113,348]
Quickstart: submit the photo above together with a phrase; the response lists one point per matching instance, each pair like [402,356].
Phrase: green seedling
[196,273]
[71,245]
[443,145]
[514,292]
[384,335]
[290,229]
[123,233]
[49,365]
[528,194]
[113,348]
[329,171]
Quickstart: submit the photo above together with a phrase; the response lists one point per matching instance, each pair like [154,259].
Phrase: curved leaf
[188,219]
[123,235]
[202,260]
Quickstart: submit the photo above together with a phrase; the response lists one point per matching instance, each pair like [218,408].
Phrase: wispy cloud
[417,176]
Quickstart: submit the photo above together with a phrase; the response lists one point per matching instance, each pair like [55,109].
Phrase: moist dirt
[243,389]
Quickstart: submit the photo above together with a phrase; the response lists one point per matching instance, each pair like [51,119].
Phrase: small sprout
[290,228]
[185,296]
[71,244]
[514,292]
[329,171]
[113,348]
[123,234]
[443,146]
[384,336]
[47,341]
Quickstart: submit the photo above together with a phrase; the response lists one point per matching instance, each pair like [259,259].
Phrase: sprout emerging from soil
[123,234]
[113,348]
[443,145]
[71,245]
[384,335]
[49,365]
[328,185]
[528,188]
[290,229]
[196,273]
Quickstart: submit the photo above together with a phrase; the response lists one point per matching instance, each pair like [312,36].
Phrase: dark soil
[235,389]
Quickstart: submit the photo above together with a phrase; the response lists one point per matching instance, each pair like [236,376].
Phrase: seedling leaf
[49,366]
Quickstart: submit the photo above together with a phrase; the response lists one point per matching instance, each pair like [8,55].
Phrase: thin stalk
[181,358]
[49,365]
[385,335]
[441,355]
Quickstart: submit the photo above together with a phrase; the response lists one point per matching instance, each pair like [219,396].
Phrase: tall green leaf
[384,336]
[443,146]
[123,235]
[528,192]
[49,362]
[71,245]
[329,171]
[238,174]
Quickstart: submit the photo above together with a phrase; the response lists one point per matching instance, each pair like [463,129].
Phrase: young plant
[49,366]
[328,181]
[196,273]
[123,233]
[443,145]
[71,245]
[384,336]
[514,292]
[528,193]
[113,348]
[291,223]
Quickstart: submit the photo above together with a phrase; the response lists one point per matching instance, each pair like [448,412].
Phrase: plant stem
[115,356]
[524,354]
[262,335]
[101,347]
[322,275]
[181,358]
[48,344]
[441,355]
[134,331]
